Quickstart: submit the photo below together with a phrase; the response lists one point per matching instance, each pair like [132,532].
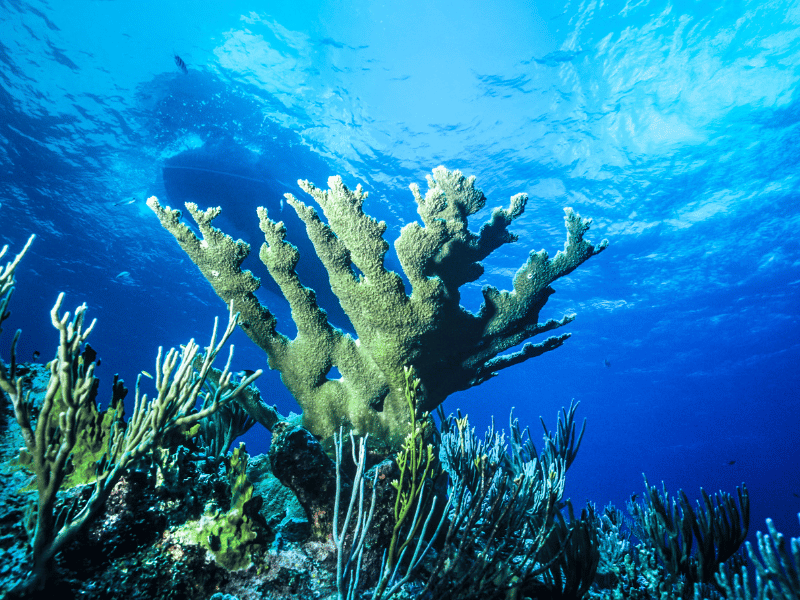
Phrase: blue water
[674,125]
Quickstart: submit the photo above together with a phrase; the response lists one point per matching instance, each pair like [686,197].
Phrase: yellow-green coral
[450,348]
[231,537]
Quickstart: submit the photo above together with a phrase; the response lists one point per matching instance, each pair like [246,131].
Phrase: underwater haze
[675,126]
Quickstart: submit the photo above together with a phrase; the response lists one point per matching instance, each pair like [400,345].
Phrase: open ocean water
[674,125]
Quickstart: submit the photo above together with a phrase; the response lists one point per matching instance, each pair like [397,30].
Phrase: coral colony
[361,496]
[449,348]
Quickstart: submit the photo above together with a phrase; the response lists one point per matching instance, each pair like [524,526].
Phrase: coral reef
[67,413]
[176,525]
[98,507]
[449,348]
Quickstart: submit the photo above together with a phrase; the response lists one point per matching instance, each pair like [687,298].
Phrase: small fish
[606,362]
[146,374]
[181,65]
[245,373]
[123,274]
[633,497]
[796,495]
[36,355]
[731,462]
[125,202]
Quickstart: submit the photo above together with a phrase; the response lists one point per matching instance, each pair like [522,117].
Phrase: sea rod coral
[450,348]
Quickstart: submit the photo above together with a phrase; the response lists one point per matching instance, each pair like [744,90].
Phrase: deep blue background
[673,125]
